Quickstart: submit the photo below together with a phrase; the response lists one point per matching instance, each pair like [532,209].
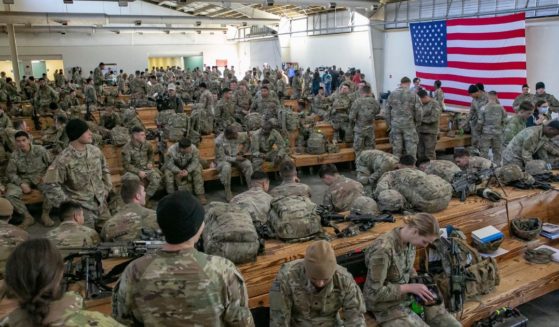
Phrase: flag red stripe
[466,104]
[486,36]
[519,49]
[473,80]
[502,95]
[486,21]
[487,66]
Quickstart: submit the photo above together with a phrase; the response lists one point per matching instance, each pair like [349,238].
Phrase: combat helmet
[512,173]
[536,167]
[526,228]
[364,205]
[391,201]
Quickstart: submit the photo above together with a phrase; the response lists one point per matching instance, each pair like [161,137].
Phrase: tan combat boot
[28,220]
[45,219]
[202,199]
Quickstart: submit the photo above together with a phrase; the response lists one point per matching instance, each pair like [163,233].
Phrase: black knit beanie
[75,128]
[179,216]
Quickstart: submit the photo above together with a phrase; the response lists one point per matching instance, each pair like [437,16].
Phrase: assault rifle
[363,222]
[462,181]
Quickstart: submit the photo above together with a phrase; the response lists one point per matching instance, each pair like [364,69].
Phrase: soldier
[549,98]
[471,164]
[44,97]
[290,185]
[524,96]
[281,85]
[371,165]
[183,171]
[206,100]
[517,122]
[231,148]
[492,120]
[416,85]
[339,115]
[110,119]
[60,79]
[34,276]
[155,88]
[312,292]
[362,116]
[320,104]
[90,95]
[530,142]
[99,78]
[71,233]
[428,130]
[55,139]
[137,159]
[341,192]
[296,86]
[205,290]
[80,173]
[10,235]
[267,144]
[479,99]
[445,169]
[27,165]
[387,291]
[403,115]
[438,94]
[5,121]
[256,201]
[243,102]
[133,220]
[265,104]
[225,110]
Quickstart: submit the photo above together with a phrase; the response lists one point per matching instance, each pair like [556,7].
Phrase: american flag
[460,52]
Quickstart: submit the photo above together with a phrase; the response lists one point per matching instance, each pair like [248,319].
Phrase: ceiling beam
[324,3]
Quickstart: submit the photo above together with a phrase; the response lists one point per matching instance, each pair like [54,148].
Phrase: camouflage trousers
[153,179]
[224,169]
[96,219]
[193,182]
[342,130]
[495,142]
[509,157]
[435,316]
[274,156]
[401,138]
[426,146]
[14,194]
[364,140]
[475,132]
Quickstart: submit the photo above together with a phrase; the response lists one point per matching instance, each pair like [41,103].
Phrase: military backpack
[203,122]
[294,218]
[316,143]
[229,233]
[178,125]
[120,136]
[253,121]
[289,120]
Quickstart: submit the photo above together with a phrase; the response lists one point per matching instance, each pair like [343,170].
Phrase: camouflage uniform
[550,99]
[135,158]
[226,152]
[281,88]
[428,130]
[473,118]
[156,88]
[267,106]
[175,161]
[445,169]
[243,102]
[476,164]
[70,234]
[182,288]
[256,202]
[514,125]
[81,176]
[224,114]
[98,79]
[529,142]
[341,193]
[55,139]
[492,120]
[5,121]
[296,87]
[390,265]
[438,95]
[521,98]
[371,165]
[362,115]
[294,301]
[403,115]
[109,121]
[27,168]
[43,98]
[65,312]
[320,106]
[291,189]
[10,237]
[90,97]
[206,101]
[127,224]
[270,148]
[339,117]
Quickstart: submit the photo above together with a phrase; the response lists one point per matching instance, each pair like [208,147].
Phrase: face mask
[544,110]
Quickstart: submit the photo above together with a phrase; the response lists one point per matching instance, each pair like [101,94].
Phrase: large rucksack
[288,120]
[202,121]
[253,121]
[458,269]
[316,143]
[120,135]
[229,233]
[177,127]
[294,218]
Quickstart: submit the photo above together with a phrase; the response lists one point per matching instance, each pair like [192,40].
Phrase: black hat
[472,89]
[75,128]
[179,216]
[540,85]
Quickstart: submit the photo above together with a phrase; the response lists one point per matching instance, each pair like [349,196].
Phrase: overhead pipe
[303,3]
[90,29]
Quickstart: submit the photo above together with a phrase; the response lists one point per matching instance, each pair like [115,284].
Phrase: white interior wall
[265,52]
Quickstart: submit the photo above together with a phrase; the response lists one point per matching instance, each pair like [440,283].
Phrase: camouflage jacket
[371,164]
[225,111]
[291,189]
[183,288]
[157,88]
[341,193]
[256,202]
[390,264]
[45,96]
[127,224]
[28,167]
[363,112]
[176,161]
[492,119]
[10,237]
[207,101]
[514,125]
[90,94]
[110,121]
[475,109]
[521,98]
[227,150]
[340,105]
[320,105]
[242,100]
[430,114]
[475,164]
[445,169]
[70,234]
[81,176]
[266,106]
[98,78]
[528,142]
[261,145]
[403,109]
[438,95]
[136,156]
[294,301]
[551,100]
[5,121]
[65,312]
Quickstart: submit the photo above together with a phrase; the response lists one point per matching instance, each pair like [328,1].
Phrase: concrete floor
[541,312]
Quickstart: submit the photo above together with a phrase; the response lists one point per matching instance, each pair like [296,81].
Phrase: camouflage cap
[364,205]
[536,167]
[390,200]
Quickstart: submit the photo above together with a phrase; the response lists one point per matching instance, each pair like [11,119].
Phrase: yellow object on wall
[6,66]
[52,66]
[164,62]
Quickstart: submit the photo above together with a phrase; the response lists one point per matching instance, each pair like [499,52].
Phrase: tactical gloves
[489,194]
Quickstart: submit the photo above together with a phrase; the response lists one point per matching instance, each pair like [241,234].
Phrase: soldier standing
[362,116]
[402,116]
[205,290]
[517,122]
[267,144]
[256,201]
[26,168]
[531,141]
[549,98]
[10,235]
[438,94]
[206,100]
[492,120]
[339,115]
[479,99]
[341,192]
[90,95]
[388,293]
[133,218]
[312,292]
[290,185]
[99,78]
[230,150]
[80,173]
[137,159]
[183,171]
[371,165]
[428,130]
